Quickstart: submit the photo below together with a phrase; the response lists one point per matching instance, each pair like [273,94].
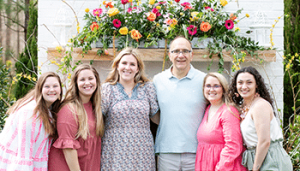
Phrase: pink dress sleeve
[233,139]
[67,129]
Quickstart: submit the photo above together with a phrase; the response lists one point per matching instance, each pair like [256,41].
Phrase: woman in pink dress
[30,127]
[79,124]
[219,137]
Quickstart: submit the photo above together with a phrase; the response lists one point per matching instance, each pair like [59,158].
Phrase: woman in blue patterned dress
[128,102]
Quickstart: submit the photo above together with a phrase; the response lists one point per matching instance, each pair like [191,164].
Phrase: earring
[236,94]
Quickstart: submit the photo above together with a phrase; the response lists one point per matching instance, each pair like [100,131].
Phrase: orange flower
[205,26]
[135,34]
[94,25]
[109,4]
[232,17]
[151,16]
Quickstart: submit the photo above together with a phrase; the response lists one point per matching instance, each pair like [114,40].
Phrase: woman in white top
[261,131]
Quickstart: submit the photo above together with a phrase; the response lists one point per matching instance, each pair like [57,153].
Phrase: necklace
[245,110]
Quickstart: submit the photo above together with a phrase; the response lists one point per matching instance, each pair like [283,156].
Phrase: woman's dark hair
[261,87]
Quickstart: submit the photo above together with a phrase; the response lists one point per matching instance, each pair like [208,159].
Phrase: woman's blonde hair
[41,107]
[76,106]
[140,77]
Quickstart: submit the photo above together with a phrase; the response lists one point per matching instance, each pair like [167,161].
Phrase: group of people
[204,124]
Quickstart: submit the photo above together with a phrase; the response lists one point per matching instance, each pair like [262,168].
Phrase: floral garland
[132,22]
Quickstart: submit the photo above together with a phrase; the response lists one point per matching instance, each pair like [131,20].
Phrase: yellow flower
[237,29]
[194,16]
[39,67]
[104,2]
[148,36]
[78,28]
[87,10]
[123,30]
[130,1]
[8,63]
[223,2]
[151,2]
[279,18]
[58,48]
[296,54]
[237,20]
[288,66]
[272,43]
[113,11]
[276,21]
[174,21]
[52,61]
[181,13]
[33,79]
[273,25]
[158,7]
[157,24]
[247,15]
[138,3]
[169,28]
[69,76]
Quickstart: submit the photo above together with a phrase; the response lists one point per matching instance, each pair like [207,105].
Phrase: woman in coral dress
[219,137]
[30,127]
[79,125]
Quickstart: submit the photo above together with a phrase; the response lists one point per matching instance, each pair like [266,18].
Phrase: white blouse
[249,132]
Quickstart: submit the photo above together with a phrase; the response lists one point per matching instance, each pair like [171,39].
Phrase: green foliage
[291,80]
[294,140]
[5,85]
[27,63]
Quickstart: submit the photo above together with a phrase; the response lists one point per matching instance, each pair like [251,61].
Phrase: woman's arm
[156,118]
[230,125]
[261,114]
[71,159]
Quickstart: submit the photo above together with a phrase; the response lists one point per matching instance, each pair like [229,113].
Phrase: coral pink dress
[220,142]
[89,150]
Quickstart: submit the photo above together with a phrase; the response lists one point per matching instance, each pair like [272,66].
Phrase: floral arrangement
[130,22]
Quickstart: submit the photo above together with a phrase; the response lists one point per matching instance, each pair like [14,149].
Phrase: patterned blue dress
[127,143]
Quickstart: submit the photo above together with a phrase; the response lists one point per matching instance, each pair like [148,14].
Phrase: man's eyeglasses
[184,51]
[208,86]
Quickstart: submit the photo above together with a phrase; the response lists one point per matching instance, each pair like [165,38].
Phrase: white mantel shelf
[158,55]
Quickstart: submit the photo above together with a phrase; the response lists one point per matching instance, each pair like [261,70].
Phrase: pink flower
[97,12]
[117,23]
[229,24]
[177,1]
[168,21]
[192,30]
[156,12]
[185,4]
[124,2]
[162,2]
[187,7]
[209,8]
[129,10]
